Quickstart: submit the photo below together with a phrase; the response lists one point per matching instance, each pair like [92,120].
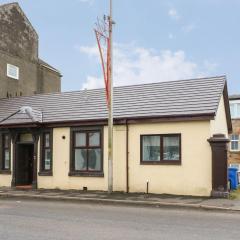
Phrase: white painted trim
[238,141]
[235,102]
[8,71]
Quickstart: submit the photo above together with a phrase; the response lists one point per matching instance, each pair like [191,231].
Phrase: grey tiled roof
[24,115]
[163,99]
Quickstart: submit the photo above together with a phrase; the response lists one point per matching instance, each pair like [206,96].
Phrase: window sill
[86,174]
[162,163]
[5,172]
[234,151]
[45,173]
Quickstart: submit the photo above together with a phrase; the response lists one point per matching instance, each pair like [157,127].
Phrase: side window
[46,161]
[5,152]
[12,71]
[235,143]
[235,110]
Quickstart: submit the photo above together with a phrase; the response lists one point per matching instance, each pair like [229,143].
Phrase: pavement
[58,220]
[132,199]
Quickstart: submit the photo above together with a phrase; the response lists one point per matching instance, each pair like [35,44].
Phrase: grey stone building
[22,73]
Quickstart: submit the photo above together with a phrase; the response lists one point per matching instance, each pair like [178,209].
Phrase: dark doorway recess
[24,164]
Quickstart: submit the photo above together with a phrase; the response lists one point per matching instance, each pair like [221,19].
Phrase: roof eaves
[46,65]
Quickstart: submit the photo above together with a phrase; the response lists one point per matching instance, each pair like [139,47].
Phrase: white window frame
[235,165]
[9,66]
[234,113]
[238,140]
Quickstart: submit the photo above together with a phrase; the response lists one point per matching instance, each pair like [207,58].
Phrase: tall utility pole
[110,108]
[103,31]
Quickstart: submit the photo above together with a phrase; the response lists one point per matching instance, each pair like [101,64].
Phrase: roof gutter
[119,121]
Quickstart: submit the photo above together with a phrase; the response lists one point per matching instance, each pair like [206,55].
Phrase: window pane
[80,139]
[47,140]
[6,159]
[94,159]
[232,109]
[238,110]
[171,148]
[25,137]
[234,145]
[235,137]
[6,140]
[94,139]
[151,148]
[81,159]
[47,158]
[12,71]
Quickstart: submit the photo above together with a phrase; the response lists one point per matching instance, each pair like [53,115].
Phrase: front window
[235,142]
[87,151]
[6,151]
[151,148]
[161,148]
[171,148]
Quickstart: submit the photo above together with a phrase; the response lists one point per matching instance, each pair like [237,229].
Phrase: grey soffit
[194,97]
[43,63]
[234,97]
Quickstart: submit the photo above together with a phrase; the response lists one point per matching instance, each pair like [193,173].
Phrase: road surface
[25,220]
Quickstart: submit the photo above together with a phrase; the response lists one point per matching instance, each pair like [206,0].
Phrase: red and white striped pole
[110,103]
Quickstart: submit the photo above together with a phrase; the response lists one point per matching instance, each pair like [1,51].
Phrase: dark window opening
[6,151]
[46,153]
[161,149]
[87,151]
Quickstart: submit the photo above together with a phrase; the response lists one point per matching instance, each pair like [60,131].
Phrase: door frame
[15,135]
[18,144]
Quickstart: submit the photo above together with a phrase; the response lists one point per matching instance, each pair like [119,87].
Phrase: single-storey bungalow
[171,136]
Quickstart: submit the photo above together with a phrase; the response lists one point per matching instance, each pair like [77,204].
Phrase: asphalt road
[25,220]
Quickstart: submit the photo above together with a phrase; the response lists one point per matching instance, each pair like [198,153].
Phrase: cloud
[90,51]
[137,65]
[189,28]
[93,82]
[171,36]
[173,14]
[86,1]
[210,66]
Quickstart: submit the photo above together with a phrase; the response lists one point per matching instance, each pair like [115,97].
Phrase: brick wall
[234,157]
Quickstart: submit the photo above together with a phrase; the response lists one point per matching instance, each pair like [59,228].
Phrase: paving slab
[140,199]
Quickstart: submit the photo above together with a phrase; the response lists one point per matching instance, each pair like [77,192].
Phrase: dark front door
[24,164]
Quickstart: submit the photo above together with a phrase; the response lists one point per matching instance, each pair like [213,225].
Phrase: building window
[12,71]
[235,143]
[86,153]
[6,151]
[235,110]
[235,165]
[46,153]
[161,149]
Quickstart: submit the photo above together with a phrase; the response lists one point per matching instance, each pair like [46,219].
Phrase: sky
[153,40]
